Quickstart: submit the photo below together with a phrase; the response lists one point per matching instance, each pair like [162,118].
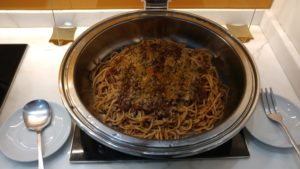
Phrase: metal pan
[233,62]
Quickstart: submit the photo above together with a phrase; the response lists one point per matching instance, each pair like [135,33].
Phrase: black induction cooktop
[86,150]
[10,57]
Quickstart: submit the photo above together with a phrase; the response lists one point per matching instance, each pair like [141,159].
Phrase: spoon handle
[40,154]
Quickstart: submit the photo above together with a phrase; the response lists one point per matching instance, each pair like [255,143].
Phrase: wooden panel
[128,4]
[221,3]
[28,4]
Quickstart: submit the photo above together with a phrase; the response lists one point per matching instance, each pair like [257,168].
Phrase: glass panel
[87,18]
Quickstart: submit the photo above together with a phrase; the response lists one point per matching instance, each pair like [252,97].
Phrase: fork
[271,110]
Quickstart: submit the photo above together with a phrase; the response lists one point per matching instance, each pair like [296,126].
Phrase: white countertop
[37,77]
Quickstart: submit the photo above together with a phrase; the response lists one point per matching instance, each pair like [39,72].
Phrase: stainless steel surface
[155,4]
[37,115]
[271,110]
[233,62]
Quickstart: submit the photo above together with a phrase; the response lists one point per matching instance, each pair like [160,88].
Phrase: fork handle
[291,138]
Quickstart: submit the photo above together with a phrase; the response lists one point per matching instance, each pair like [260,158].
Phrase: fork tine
[264,101]
[273,100]
[269,100]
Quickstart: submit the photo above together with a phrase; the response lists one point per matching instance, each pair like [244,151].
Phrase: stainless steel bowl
[233,62]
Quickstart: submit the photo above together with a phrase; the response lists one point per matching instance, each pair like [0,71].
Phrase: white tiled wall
[232,16]
[6,20]
[287,13]
[84,17]
[81,18]
[281,26]
[25,19]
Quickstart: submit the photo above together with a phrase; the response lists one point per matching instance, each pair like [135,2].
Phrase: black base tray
[85,149]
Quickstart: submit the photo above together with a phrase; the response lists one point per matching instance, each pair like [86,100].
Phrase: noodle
[158,89]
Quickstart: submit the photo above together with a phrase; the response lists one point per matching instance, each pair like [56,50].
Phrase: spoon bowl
[37,115]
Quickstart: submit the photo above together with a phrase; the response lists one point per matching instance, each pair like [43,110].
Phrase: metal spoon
[37,115]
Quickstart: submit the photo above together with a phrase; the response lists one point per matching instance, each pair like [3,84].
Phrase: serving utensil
[271,110]
[37,115]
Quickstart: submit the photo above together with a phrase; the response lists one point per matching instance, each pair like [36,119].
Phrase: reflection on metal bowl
[234,65]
